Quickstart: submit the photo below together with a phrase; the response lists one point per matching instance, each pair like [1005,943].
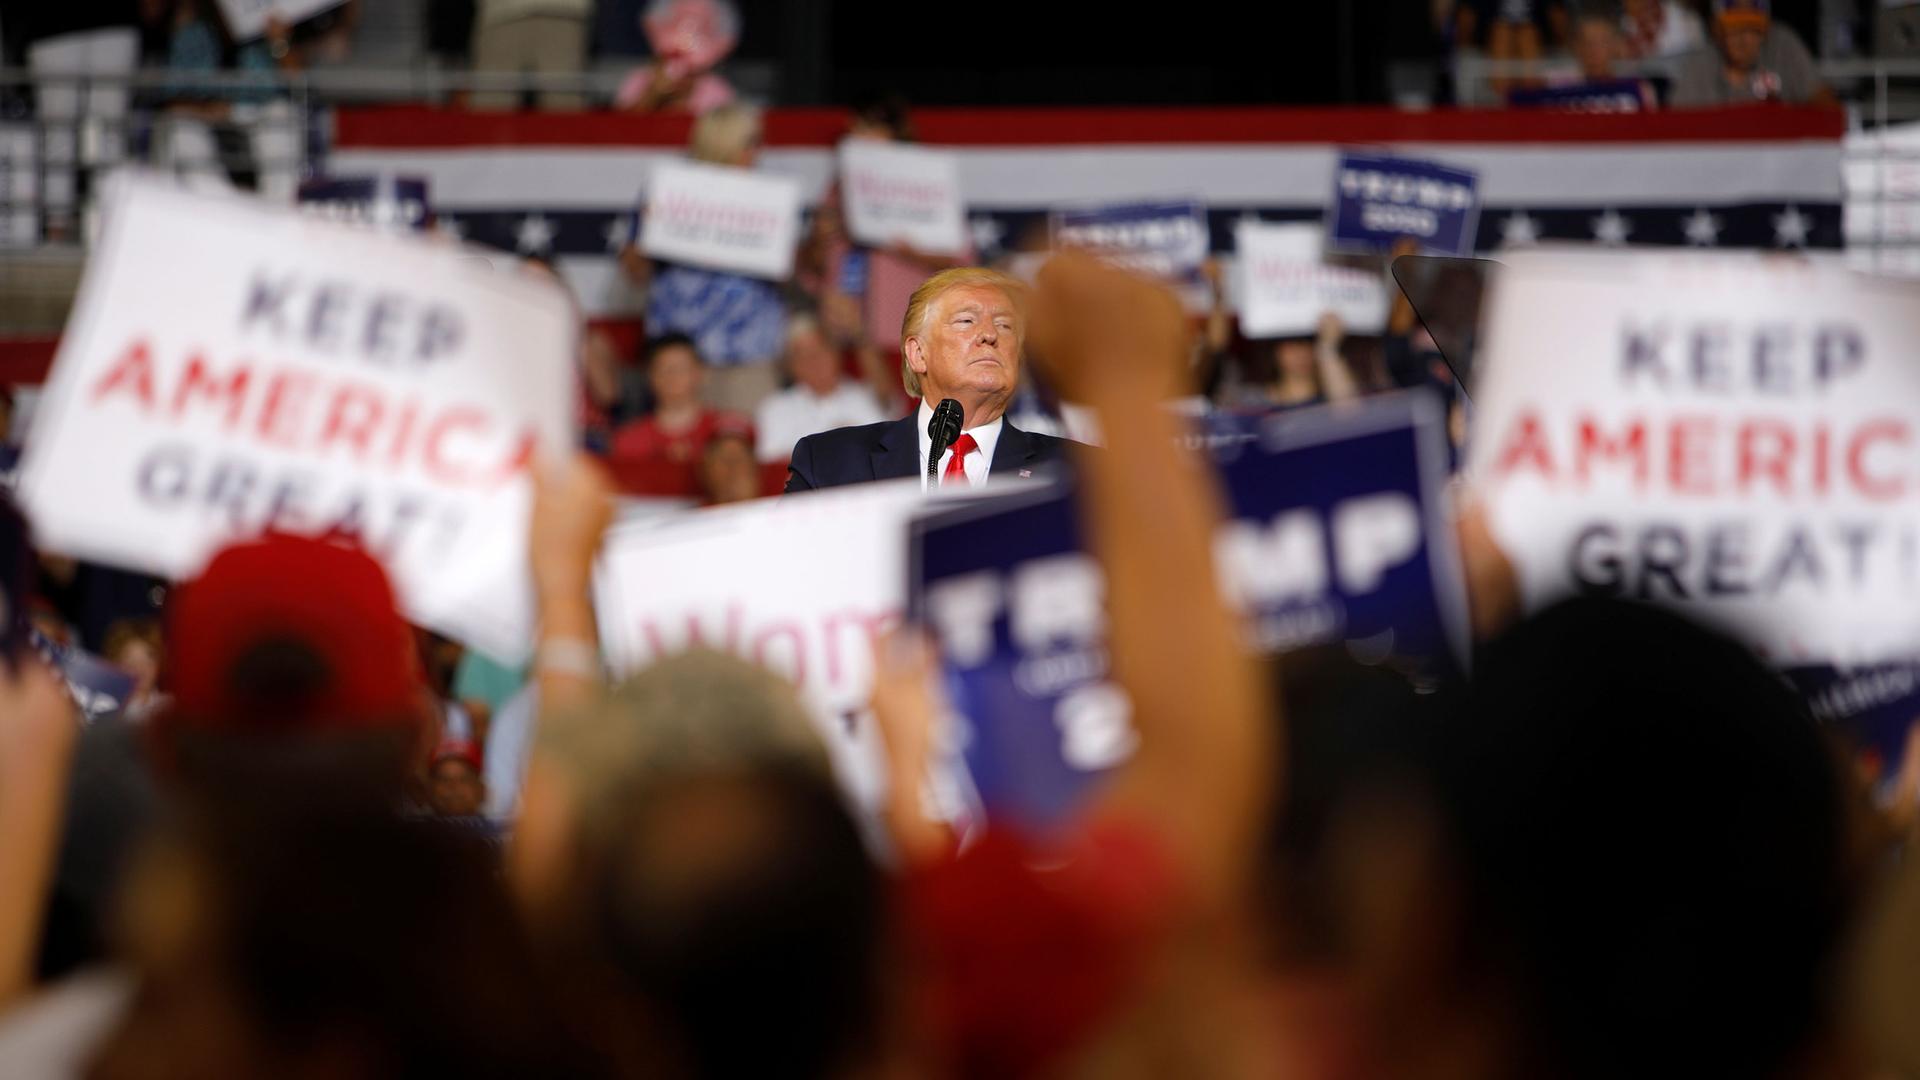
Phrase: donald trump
[960,340]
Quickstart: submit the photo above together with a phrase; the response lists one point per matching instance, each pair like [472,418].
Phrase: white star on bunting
[1790,228]
[1611,228]
[1702,228]
[617,232]
[986,233]
[535,234]
[1519,230]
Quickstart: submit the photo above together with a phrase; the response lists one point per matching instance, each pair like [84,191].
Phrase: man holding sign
[960,347]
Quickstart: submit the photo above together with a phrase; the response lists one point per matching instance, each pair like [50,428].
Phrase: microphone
[942,429]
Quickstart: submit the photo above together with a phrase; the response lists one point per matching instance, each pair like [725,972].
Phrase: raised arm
[571,509]
[37,730]
[1203,712]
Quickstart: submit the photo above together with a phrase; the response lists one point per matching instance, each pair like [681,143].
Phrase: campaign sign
[1380,200]
[1602,96]
[1337,532]
[98,688]
[247,19]
[1874,705]
[798,584]
[722,218]
[1162,240]
[1283,287]
[391,203]
[902,194]
[231,366]
[1728,434]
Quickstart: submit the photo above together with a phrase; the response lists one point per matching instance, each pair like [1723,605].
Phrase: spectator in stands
[660,453]
[80,52]
[1510,31]
[135,646]
[737,322]
[862,292]
[728,471]
[1311,371]
[1596,83]
[544,37]
[456,787]
[689,38]
[1753,59]
[1661,29]
[820,398]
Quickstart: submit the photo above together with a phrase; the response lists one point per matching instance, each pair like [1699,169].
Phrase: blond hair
[920,307]
[721,136]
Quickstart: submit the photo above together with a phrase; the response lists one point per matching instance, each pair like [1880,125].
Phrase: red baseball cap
[327,598]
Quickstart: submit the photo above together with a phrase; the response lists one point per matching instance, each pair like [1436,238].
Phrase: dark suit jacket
[891,451]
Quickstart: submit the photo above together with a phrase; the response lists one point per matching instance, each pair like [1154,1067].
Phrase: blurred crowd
[1621,848]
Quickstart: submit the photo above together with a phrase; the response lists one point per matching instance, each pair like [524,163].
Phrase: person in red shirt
[659,454]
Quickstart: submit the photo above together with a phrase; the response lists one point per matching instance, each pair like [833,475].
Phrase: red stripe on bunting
[24,361]
[428,127]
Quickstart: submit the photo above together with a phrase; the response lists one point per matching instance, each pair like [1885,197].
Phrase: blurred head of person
[455,783]
[729,473]
[289,660]
[811,359]
[304,942]
[1740,27]
[728,135]
[136,647]
[1296,368]
[885,118]
[676,373]
[687,859]
[690,36]
[1631,850]
[961,338]
[1598,45]
[1357,736]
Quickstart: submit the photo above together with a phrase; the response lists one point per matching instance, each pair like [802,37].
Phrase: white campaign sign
[232,366]
[1734,435]
[798,584]
[1284,287]
[247,19]
[897,193]
[722,219]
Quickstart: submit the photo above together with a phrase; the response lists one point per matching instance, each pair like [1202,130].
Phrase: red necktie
[957,464]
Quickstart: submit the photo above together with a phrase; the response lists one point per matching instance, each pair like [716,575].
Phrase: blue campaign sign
[1379,200]
[1337,533]
[1602,96]
[98,688]
[396,203]
[1872,705]
[1165,240]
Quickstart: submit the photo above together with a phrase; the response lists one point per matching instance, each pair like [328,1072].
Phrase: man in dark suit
[960,339]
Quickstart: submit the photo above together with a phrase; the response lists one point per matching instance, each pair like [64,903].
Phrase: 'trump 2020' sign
[232,367]
[1337,532]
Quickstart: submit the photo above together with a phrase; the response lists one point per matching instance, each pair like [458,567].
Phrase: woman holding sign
[738,322]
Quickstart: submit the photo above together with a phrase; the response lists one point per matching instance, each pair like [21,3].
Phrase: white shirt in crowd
[986,436]
[797,412]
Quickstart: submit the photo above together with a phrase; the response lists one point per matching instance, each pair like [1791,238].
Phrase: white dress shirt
[977,463]
[797,412]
